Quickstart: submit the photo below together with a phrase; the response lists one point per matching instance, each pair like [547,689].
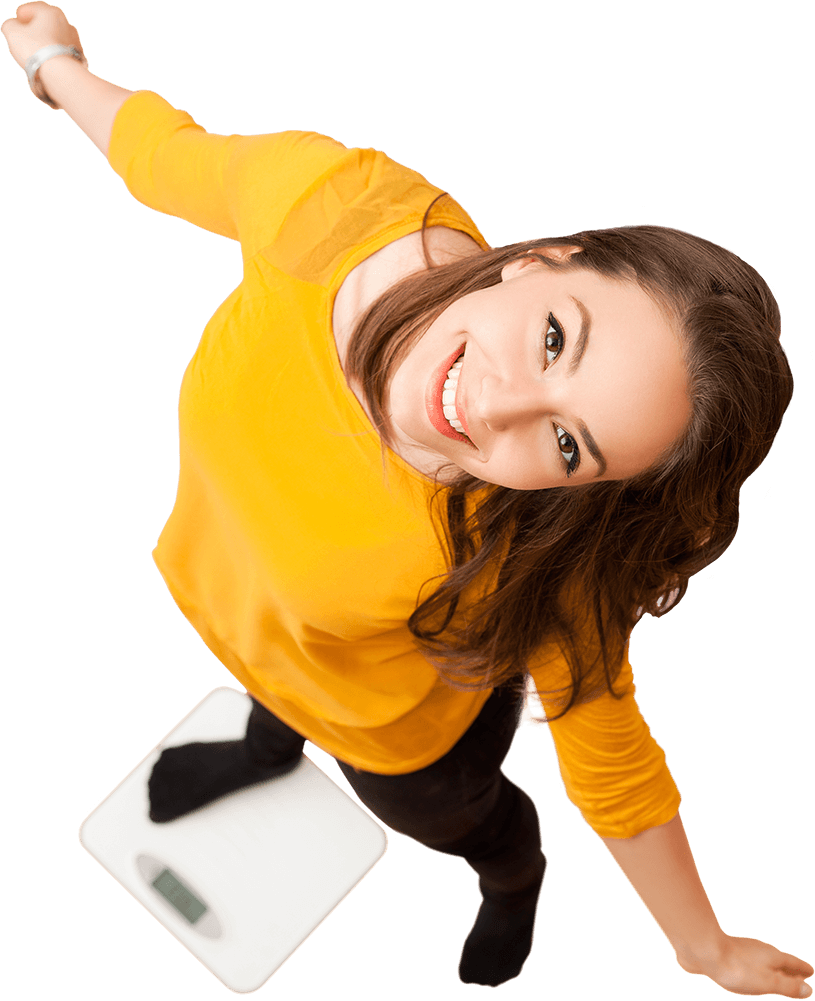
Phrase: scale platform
[244,880]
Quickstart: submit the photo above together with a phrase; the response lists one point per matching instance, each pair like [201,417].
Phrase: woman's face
[565,378]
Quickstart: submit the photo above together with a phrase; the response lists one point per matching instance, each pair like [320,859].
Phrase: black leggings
[461,805]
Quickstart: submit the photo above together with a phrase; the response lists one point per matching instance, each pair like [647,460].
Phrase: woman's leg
[464,805]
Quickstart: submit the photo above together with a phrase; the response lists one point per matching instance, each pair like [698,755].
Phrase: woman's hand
[38,24]
[747,966]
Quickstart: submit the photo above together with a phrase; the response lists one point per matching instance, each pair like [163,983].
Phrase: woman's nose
[504,402]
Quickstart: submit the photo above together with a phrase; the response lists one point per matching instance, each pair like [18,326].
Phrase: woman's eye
[553,340]
[568,446]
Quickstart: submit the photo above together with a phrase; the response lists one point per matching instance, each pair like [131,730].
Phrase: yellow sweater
[293,553]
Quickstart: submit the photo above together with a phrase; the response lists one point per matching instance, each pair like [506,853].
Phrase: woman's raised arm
[91,102]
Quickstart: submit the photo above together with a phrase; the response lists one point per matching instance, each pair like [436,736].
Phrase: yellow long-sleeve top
[293,553]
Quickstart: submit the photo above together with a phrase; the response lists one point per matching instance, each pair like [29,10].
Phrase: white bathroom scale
[244,880]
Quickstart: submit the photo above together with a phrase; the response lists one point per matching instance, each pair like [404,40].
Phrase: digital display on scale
[185,902]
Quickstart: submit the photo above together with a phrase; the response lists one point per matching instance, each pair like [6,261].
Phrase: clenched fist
[37,24]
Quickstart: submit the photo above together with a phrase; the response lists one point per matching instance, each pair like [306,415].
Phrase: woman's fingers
[37,24]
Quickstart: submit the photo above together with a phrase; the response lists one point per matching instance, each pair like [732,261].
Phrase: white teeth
[448,399]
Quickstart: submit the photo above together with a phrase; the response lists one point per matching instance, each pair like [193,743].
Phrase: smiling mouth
[433,400]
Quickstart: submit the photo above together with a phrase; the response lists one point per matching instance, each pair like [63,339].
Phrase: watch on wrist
[34,62]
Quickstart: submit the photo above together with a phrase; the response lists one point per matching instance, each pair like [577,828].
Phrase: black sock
[188,777]
[501,939]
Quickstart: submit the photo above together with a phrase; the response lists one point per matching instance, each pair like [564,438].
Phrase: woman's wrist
[698,959]
[54,75]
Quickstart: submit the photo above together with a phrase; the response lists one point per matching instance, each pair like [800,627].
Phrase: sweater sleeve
[237,186]
[614,771]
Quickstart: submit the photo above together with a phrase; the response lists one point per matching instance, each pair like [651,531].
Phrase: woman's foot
[188,777]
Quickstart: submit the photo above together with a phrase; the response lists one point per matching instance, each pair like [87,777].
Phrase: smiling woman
[616,387]
[527,393]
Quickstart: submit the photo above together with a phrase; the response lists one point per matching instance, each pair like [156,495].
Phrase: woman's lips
[432,399]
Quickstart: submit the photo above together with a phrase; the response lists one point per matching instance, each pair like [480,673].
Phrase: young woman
[418,471]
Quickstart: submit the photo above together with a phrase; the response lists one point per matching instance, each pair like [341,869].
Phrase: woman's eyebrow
[582,337]
[580,347]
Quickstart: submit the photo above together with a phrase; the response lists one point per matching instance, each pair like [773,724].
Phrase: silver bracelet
[33,63]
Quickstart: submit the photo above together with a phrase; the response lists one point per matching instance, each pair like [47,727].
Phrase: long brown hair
[572,569]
